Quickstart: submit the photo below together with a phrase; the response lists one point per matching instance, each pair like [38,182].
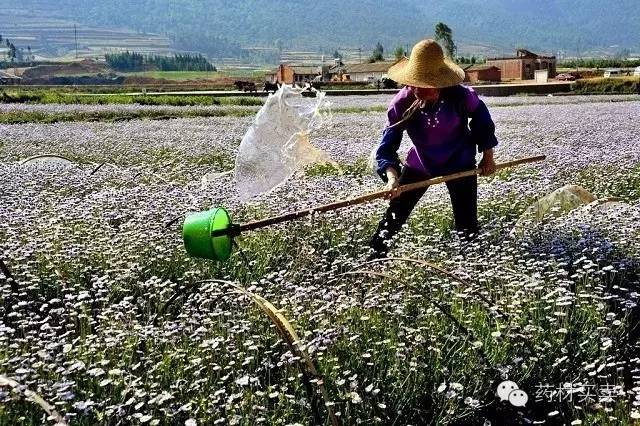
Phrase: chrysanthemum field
[106,318]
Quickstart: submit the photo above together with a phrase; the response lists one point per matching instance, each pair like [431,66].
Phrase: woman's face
[426,94]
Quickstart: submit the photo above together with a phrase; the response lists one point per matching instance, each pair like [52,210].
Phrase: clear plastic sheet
[278,143]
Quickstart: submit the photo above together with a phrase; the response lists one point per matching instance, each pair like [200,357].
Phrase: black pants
[464,202]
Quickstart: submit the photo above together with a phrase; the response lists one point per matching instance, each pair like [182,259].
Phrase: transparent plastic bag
[553,205]
[277,144]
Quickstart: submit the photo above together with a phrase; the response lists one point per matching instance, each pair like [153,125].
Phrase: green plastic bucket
[196,233]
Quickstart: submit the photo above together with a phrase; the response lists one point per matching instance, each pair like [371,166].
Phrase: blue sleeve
[387,152]
[482,128]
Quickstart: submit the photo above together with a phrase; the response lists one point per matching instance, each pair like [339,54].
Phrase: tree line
[442,34]
[132,61]
[600,63]
[15,54]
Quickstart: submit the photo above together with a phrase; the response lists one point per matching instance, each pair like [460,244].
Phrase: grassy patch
[432,218]
[21,117]
[622,183]
[200,75]
[358,168]
[626,85]
[511,173]
[220,161]
[55,97]
[357,110]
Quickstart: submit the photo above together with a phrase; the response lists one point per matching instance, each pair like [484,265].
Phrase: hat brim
[446,75]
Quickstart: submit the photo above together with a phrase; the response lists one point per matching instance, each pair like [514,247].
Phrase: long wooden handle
[378,194]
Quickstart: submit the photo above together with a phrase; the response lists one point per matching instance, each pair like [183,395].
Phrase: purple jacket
[444,140]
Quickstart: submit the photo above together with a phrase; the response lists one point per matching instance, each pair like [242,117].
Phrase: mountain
[222,28]
[544,24]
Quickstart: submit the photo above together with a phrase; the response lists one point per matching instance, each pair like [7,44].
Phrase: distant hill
[552,25]
[50,36]
[222,28]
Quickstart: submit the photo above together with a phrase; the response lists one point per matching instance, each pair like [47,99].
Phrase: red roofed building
[478,73]
[524,65]
[290,74]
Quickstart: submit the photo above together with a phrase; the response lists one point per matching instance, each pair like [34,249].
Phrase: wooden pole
[376,195]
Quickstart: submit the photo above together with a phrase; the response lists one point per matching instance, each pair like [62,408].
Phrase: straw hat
[427,67]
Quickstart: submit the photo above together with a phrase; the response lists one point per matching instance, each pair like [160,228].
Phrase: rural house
[482,72]
[524,65]
[336,72]
[290,74]
[369,72]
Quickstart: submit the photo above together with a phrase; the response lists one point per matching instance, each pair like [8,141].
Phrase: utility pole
[75,36]
[360,54]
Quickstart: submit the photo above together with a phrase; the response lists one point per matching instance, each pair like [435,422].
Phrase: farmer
[434,109]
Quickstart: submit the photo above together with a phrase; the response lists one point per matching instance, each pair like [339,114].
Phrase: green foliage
[55,97]
[399,53]
[444,35]
[125,61]
[472,60]
[15,56]
[20,117]
[600,63]
[607,85]
[358,110]
[620,183]
[11,52]
[359,168]
[59,97]
[132,61]
[377,54]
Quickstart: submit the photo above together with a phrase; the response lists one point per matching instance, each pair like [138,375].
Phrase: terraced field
[50,36]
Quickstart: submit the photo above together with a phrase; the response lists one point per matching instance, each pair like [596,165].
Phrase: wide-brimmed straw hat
[426,67]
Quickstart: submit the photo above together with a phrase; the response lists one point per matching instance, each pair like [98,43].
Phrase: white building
[368,72]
